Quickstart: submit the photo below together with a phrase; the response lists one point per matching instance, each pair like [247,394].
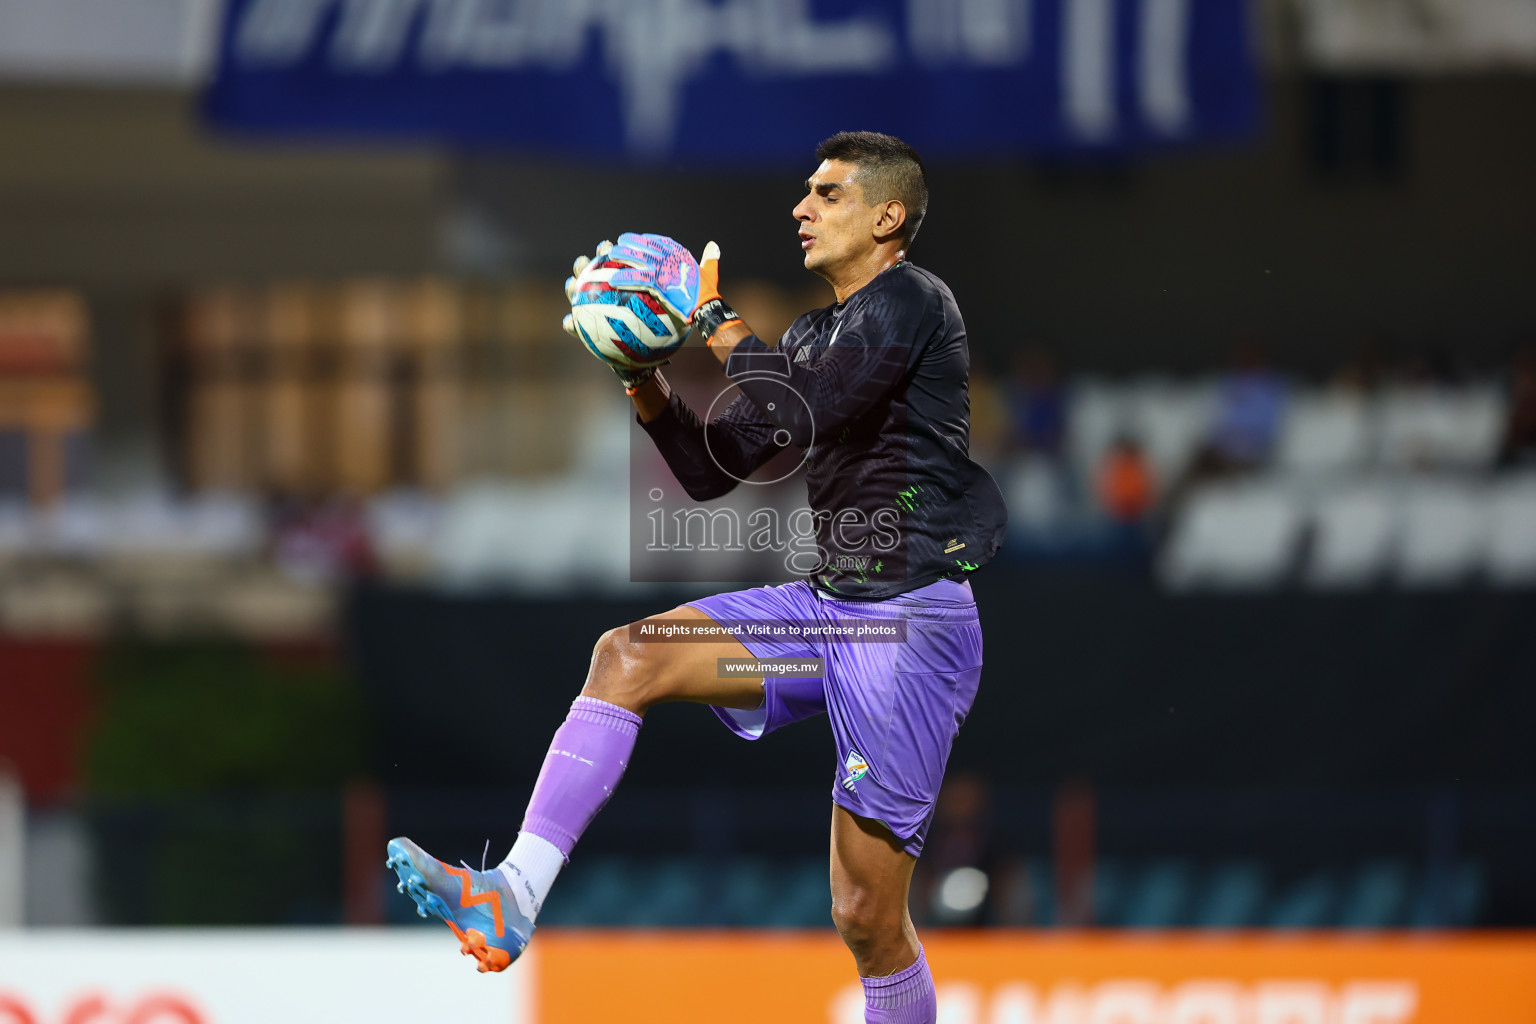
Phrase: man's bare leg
[637,675]
[871,880]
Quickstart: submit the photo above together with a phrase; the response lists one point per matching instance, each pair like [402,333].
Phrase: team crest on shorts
[856,767]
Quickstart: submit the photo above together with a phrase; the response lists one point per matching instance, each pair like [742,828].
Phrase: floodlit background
[310,513]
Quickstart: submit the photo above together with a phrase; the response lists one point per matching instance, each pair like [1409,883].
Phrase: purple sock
[585,762]
[906,997]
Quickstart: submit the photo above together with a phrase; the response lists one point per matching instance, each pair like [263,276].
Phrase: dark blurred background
[310,513]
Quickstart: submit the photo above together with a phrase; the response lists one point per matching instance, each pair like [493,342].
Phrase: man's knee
[624,672]
[864,922]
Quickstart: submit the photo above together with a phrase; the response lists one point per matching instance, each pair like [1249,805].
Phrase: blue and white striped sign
[735,81]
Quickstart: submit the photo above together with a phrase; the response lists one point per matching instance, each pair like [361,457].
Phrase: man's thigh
[689,665]
[868,860]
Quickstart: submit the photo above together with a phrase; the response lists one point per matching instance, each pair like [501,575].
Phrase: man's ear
[890,216]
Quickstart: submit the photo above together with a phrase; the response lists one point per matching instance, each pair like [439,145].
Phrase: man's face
[836,227]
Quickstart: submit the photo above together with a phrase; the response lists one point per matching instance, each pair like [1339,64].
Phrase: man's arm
[651,398]
[739,439]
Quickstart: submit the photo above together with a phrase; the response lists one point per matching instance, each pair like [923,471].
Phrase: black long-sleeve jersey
[876,391]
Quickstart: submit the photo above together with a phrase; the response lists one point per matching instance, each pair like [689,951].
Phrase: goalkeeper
[874,389]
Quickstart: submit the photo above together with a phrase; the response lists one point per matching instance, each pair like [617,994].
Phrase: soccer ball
[632,329]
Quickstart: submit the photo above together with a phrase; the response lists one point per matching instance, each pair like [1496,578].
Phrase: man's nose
[801,211]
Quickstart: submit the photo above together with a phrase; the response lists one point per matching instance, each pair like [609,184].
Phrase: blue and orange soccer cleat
[477,905]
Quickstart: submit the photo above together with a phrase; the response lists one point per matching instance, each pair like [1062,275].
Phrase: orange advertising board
[1035,978]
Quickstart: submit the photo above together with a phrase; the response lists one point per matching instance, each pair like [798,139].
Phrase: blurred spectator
[1250,409]
[966,876]
[1125,486]
[1519,445]
[1250,406]
[322,541]
[1037,408]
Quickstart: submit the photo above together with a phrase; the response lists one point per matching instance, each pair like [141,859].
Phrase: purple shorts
[895,707]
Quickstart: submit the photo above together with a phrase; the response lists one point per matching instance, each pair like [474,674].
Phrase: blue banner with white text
[732,81]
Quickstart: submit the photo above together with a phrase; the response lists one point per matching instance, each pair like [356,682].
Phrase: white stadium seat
[1236,536]
[1423,428]
[1443,534]
[1036,493]
[1511,551]
[1325,433]
[537,537]
[1171,420]
[16,527]
[1097,412]
[1354,528]
[1385,490]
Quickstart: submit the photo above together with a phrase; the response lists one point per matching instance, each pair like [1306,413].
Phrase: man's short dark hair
[887,169]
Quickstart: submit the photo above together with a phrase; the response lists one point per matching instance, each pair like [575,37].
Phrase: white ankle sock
[530,870]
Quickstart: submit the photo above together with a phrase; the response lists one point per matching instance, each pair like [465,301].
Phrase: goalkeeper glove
[666,270]
[630,377]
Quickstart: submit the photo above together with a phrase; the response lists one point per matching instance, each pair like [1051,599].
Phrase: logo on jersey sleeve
[856,767]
